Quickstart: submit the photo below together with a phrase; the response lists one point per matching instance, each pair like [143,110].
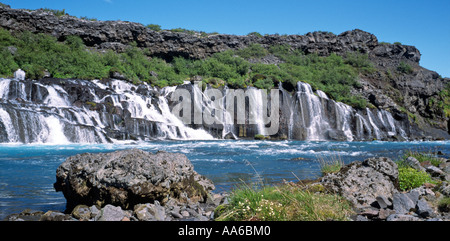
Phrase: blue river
[27,172]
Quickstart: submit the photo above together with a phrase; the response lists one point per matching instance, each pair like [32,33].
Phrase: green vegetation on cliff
[39,55]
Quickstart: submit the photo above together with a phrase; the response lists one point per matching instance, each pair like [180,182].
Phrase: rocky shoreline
[134,185]
[372,186]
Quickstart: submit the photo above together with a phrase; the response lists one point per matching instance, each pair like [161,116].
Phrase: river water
[27,172]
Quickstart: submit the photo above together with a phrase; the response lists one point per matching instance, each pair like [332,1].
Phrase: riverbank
[370,190]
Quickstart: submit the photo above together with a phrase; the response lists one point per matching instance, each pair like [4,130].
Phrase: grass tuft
[283,203]
[331,164]
[423,157]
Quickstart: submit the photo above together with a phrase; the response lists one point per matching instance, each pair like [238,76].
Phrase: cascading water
[287,108]
[43,112]
[79,111]
[311,113]
[228,119]
[315,117]
[256,105]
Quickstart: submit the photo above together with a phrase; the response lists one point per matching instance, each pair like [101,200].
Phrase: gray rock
[404,203]
[402,217]
[185,213]
[424,192]
[445,189]
[383,214]
[25,215]
[383,202]
[112,213]
[361,218]
[176,214]
[445,166]
[435,219]
[414,163]
[150,212]
[130,177]
[95,212]
[414,195]
[82,212]
[435,172]
[423,209]
[201,218]
[362,183]
[56,216]
[370,212]
[117,75]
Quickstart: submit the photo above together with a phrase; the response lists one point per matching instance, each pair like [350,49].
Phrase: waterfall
[4,88]
[81,111]
[375,128]
[228,119]
[287,110]
[55,133]
[343,120]
[11,135]
[54,96]
[311,112]
[256,111]
[170,119]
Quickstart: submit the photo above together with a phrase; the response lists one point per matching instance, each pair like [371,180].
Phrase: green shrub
[444,204]
[7,63]
[280,50]
[183,30]
[359,61]
[89,19]
[266,83]
[410,178]
[256,34]
[57,13]
[405,68]
[444,103]
[252,51]
[154,27]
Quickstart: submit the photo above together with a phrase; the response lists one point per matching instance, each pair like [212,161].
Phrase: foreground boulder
[362,182]
[130,177]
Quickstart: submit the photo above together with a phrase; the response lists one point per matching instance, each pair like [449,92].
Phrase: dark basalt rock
[362,182]
[130,177]
[117,35]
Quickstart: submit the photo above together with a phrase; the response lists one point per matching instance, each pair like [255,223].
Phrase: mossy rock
[220,210]
[260,137]
[314,188]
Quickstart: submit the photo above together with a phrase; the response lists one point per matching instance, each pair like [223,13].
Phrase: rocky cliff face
[118,34]
[411,95]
